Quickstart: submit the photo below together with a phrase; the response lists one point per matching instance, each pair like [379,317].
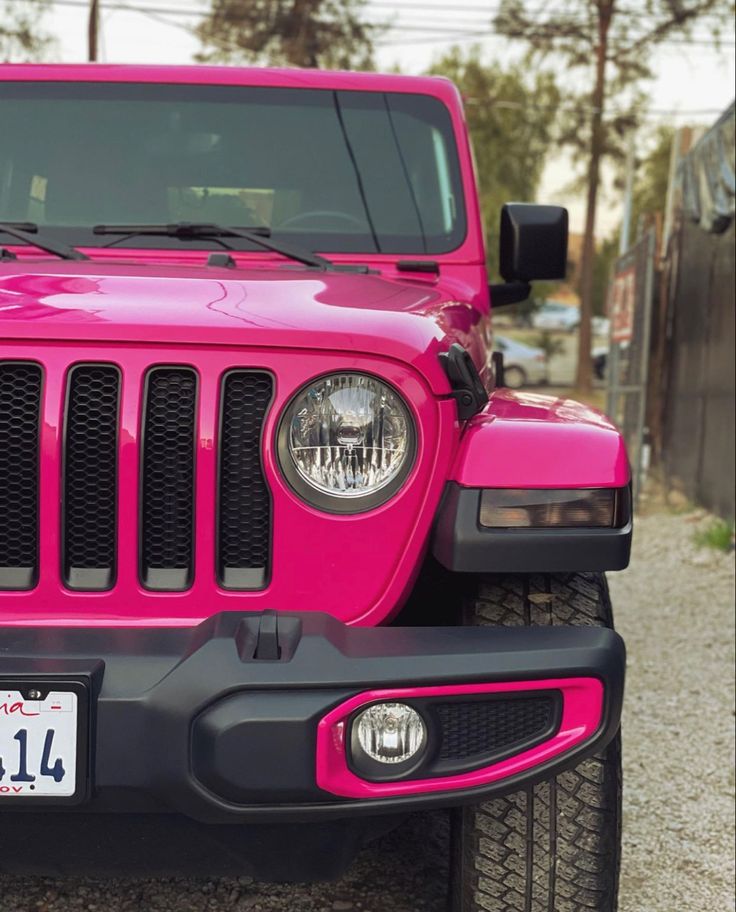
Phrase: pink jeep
[281,560]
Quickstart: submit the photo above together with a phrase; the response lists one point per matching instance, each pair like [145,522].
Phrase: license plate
[40,742]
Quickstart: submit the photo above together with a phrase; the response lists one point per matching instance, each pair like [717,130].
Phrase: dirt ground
[675,607]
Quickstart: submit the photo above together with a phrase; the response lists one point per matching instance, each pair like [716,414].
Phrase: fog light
[390,732]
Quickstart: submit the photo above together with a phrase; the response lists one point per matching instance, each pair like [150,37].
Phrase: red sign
[621,305]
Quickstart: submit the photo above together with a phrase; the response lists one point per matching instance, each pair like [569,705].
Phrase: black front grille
[163,524]
[167,509]
[90,477]
[244,502]
[481,731]
[20,408]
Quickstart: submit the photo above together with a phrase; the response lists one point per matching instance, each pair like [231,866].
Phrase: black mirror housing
[533,242]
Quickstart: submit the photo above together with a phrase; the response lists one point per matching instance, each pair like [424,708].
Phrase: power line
[486,13]
[491,12]
[450,36]
[589,109]
[111,7]
[444,33]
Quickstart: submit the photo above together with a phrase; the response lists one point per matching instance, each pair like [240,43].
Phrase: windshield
[353,172]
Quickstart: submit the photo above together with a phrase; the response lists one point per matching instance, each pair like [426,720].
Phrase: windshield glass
[354,172]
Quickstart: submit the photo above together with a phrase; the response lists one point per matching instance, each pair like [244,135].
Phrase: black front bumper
[218,722]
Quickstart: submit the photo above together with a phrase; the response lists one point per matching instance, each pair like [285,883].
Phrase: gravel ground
[675,608]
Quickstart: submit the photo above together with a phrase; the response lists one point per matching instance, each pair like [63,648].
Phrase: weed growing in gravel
[719,533]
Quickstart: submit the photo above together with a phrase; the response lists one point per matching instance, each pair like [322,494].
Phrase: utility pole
[584,373]
[93,24]
[625,239]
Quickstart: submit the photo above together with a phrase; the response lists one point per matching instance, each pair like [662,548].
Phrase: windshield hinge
[467,388]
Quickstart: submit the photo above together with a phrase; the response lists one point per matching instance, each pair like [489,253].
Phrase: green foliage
[550,344]
[650,188]
[305,33]
[605,256]
[510,143]
[20,38]
[719,534]
[649,198]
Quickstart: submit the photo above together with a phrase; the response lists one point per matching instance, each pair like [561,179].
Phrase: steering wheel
[295,220]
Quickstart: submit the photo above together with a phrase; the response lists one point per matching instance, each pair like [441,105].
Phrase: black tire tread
[553,847]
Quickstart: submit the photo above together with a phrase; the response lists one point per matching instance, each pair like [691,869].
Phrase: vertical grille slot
[167,483]
[90,477]
[20,413]
[244,501]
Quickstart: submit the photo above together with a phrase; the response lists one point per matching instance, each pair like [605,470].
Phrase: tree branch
[679,19]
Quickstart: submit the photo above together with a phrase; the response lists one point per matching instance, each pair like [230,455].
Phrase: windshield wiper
[258,236]
[29,234]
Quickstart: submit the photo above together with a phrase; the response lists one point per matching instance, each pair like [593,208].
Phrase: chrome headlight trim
[350,502]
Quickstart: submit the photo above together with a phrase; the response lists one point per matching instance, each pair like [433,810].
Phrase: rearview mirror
[533,242]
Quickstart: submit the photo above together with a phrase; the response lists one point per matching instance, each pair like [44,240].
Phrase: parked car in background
[554,315]
[523,365]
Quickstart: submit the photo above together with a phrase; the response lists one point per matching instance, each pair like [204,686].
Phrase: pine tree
[304,33]
[20,37]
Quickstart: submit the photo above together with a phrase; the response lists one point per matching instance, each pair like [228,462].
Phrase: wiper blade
[180,229]
[28,233]
[258,236]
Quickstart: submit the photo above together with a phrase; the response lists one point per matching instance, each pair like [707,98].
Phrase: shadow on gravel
[405,871]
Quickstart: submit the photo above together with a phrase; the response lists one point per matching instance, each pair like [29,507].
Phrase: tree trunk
[584,378]
[92,29]
[303,52]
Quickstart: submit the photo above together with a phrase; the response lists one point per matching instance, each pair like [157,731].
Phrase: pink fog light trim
[582,708]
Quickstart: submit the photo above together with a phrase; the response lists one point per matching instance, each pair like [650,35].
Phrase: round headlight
[346,442]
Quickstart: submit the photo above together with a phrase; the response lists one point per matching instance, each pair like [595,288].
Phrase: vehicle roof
[238,76]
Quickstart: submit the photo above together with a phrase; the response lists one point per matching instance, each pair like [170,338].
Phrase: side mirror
[533,245]
[533,242]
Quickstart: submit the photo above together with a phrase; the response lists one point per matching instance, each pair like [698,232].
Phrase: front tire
[554,847]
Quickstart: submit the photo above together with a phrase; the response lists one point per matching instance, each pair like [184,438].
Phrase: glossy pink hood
[273,307]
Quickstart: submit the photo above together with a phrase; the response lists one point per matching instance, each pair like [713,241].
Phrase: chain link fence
[631,295]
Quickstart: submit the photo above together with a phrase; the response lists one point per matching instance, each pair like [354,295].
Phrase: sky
[692,84]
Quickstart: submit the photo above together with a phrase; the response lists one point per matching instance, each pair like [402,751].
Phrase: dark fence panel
[698,415]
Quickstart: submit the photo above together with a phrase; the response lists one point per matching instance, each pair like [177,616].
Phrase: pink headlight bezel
[582,710]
